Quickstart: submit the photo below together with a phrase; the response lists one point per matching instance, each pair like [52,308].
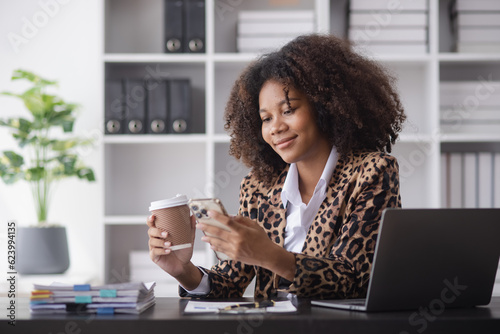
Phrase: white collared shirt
[299,216]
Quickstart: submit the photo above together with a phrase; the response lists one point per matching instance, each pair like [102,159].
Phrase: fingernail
[164,234]
[167,251]
[167,244]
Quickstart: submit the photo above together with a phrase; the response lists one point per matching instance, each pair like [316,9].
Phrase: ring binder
[173,17]
[157,107]
[135,96]
[195,26]
[113,110]
[180,105]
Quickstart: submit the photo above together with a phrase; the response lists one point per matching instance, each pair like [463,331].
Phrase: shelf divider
[155,139]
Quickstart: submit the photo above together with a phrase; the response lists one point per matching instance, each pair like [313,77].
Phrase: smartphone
[200,207]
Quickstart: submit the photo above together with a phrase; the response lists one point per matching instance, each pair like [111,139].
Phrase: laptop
[431,258]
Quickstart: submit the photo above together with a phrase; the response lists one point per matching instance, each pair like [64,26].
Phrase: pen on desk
[263,304]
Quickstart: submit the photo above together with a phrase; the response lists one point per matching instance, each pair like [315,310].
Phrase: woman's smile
[285,142]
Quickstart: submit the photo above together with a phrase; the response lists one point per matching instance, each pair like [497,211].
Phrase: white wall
[65,45]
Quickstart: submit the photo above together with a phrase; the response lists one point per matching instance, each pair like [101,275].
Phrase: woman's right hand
[173,262]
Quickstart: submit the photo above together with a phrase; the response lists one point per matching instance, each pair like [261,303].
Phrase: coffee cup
[173,215]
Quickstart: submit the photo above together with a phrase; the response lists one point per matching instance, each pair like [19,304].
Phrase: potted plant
[49,156]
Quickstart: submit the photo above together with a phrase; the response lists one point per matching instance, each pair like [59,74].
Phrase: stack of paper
[105,299]
[262,31]
[470,106]
[389,27]
[476,25]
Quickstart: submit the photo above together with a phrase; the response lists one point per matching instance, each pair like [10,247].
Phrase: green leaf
[27,141]
[68,162]
[67,125]
[39,123]
[23,74]
[53,105]
[22,139]
[25,125]
[33,101]
[10,94]
[20,123]
[63,145]
[64,120]
[15,159]
[35,174]
[3,165]
[86,173]
[43,141]
[61,114]
[10,178]
[51,101]
[9,172]
[22,129]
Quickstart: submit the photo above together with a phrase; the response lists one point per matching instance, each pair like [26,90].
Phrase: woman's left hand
[246,242]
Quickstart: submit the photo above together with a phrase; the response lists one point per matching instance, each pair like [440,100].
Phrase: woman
[313,121]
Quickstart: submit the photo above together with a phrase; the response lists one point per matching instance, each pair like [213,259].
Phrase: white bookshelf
[139,168]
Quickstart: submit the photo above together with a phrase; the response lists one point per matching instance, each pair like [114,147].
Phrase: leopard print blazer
[337,256]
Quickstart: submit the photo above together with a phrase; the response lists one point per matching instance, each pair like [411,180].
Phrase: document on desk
[216,307]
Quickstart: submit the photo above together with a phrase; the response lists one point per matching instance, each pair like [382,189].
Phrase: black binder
[113,109]
[157,107]
[195,26]
[174,22]
[135,101]
[180,106]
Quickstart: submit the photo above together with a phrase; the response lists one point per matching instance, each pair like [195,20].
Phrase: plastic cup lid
[168,203]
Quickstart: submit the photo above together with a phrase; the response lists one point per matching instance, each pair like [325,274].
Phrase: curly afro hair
[354,99]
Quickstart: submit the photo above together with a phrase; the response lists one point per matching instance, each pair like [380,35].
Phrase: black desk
[166,317]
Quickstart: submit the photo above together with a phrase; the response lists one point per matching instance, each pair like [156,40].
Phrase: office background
[67,47]
[84,44]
